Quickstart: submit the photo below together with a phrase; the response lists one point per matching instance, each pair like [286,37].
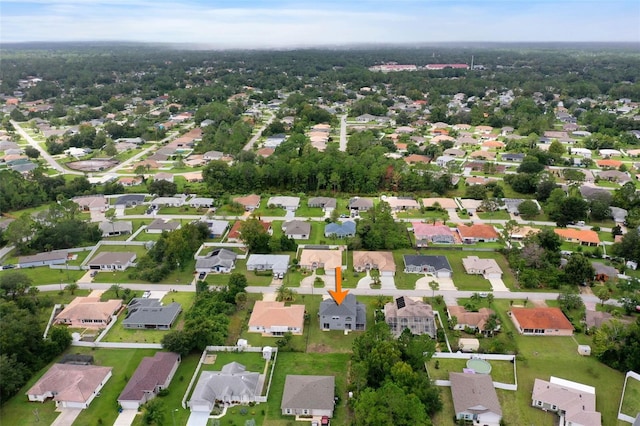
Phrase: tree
[389,406]
[490,298]
[434,285]
[154,412]
[616,230]
[254,235]
[578,270]
[569,299]
[14,284]
[241,300]
[71,288]
[177,341]
[237,284]
[13,375]
[116,289]
[528,209]
[32,152]
[603,294]
[163,188]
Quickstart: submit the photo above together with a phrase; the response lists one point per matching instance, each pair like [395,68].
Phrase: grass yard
[264,210]
[137,249]
[335,364]
[501,371]
[306,211]
[253,361]
[253,279]
[631,401]
[176,277]
[497,215]
[45,275]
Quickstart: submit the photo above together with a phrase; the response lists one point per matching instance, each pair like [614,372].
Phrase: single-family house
[113,261]
[417,159]
[470,320]
[585,237]
[485,155]
[426,233]
[88,312]
[297,229]
[360,204]
[380,260]
[615,176]
[234,232]
[437,266]
[130,200]
[541,321]
[327,259]
[327,204]
[488,268]
[406,313]
[276,319]
[43,259]
[454,152]
[274,141]
[515,157]
[512,205]
[219,260]
[232,385]
[287,203]
[116,227]
[349,315]
[175,201]
[152,375]
[609,164]
[201,202]
[94,203]
[167,177]
[217,228]
[158,226]
[308,396]
[249,202]
[604,272]
[70,386]
[278,263]
[618,214]
[475,399]
[401,203]
[212,155]
[145,313]
[477,233]
[130,180]
[574,402]
[340,230]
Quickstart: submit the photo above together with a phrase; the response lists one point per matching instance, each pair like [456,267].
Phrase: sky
[260,24]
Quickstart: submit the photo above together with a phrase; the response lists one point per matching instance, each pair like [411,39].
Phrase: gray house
[219,260]
[340,230]
[349,315]
[515,157]
[151,314]
[475,399]
[117,227]
[130,200]
[326,203]
[437,266]
[232,385]
[360,204]
[287,203]
[278,263]
[158,226]
[43,259]
[152,375]
[113,261]
[297,229]
[308,396]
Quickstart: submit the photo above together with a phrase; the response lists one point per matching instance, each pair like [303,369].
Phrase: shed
[266,352]
[469,345]
[242,343]
[584,350]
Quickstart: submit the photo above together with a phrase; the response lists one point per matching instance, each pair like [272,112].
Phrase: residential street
[343,132]
[249,145]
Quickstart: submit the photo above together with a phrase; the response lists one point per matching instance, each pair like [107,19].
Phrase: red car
[325,420]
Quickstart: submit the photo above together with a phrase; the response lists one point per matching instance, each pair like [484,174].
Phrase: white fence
[114,345]
[53,313]
[486,357]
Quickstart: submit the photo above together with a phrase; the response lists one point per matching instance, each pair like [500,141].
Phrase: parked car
[325,420]
[8,266]
[281,275]
[93,273]
[202,275]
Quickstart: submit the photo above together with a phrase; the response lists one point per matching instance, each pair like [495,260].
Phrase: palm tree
[116,289]
[435,285]
[72,287]
[490,298]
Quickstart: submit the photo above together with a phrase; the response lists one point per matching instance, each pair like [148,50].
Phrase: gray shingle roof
[474,393]
[438,262]
[346,308]
[151,372]
[231,384]
[130,199]
[309,392]
[219,257]
[152,313]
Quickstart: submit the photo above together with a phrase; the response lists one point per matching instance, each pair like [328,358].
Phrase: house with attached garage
[217,228]
[116,227]
[158,226]
[88,312]
[287,203]
[234,233]
[249,202]
[380,260]
[112,261]
[426,233]
[327,204]
[541,321]
[200,202]
[175,201]
[585,237]
[297,229]
[144,313]
[401,203]
[275,319]
[219,260]
[340,230]
[232,385]
[43,259]
[475,398]
[313,259]
[94,203]
[278,263]
[360,204]
[438,266]
[477,233]
[130,200]
[470,320]
[152,375]
[70,386]
[488,268]
[574,402]
[349,315]
[406,313]
[308,396]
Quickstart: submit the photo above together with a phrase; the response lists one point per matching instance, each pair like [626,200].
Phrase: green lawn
[264,210]
[45,275]
[182,210]
[440,215]
[253,278]
[631,401]
[501,371]
[253,361]
[176,277]
[497,215]
[305,211]
[137,249]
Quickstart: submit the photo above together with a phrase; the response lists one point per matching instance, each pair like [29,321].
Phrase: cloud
[280,24]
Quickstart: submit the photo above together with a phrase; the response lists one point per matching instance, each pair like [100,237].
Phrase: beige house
[401,203]
[472,320]
[574,403]
[380,260]
[275,319]
[445,203]
[88,312]
[488,268]
[405,313]
[328,259]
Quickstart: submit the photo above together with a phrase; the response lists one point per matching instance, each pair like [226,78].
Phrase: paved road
[43,153]
[249,145]
[343,132]
[141,153]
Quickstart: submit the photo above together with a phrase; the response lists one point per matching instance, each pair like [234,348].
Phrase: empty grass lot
[631,401]
[176,277]
[501,371]
[45,275]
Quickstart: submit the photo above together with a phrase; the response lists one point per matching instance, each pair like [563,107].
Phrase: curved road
[43,153]
[255,137]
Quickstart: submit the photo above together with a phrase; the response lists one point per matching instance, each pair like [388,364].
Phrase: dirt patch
[538,303]
[210,359]
[319,348]
[92,165]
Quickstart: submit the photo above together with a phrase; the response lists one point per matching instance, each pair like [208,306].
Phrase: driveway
[67,416]
[126,418]
[498,285]
[387,283]
[198,419]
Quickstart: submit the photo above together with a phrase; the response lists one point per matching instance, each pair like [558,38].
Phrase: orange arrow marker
[338,295]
